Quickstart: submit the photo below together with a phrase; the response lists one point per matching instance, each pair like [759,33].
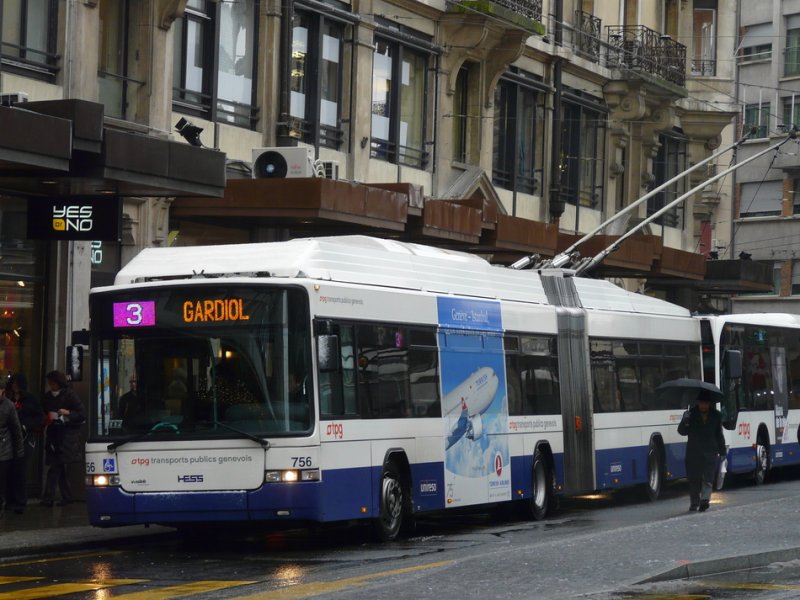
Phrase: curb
[722,565]
[23,543]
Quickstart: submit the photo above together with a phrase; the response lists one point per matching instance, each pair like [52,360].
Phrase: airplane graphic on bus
[469,400]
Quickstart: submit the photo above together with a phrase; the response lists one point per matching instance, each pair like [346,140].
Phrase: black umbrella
[683,392]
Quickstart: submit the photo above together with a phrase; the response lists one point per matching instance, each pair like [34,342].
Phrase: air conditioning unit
[278,163]
[331,168]
[13,98]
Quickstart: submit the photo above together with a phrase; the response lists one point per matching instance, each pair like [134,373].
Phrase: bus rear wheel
[762,461]
[392,505]
[655,474]
[541,483]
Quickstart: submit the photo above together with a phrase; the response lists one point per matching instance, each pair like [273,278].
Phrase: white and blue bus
[761,405]
[337,379]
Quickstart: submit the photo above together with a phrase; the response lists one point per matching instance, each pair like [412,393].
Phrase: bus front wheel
[392,503]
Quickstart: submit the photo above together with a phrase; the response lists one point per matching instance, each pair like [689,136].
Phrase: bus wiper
[144,434]
[264,443]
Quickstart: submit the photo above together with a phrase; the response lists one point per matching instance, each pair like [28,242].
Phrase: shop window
[118,87]
[315,80]
[214,61]
[29,30]
[399,88]
[21,295]
[517,141]
[670,160]
[582,154]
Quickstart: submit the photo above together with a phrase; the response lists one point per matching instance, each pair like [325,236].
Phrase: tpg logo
[72,218]
[190,479]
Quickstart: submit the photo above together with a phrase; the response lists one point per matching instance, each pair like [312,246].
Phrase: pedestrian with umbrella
[702,424]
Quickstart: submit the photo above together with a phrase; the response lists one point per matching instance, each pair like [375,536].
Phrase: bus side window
[629,386]
[337,388]
[423,376]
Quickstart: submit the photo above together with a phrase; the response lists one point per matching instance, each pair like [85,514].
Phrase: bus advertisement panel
[474,402]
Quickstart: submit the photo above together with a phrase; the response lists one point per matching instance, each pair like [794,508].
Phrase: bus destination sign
[214,311]
[142,313]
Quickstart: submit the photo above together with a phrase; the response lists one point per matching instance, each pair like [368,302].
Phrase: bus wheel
[392,501]
[762,461]
[542,486]
[655,474]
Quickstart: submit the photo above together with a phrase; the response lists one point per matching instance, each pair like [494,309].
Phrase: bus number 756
[301,461]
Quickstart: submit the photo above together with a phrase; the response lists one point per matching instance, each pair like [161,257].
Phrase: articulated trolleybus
[761,387]
[337,379]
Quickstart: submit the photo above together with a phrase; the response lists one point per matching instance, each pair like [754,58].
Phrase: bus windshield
[198,362]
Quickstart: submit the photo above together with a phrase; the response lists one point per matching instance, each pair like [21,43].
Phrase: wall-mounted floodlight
[189,131]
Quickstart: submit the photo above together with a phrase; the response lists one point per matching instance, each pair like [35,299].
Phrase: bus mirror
[328,353]
[732,364]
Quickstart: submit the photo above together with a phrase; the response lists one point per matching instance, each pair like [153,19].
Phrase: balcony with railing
[523,13]
[639,48]
[587,35]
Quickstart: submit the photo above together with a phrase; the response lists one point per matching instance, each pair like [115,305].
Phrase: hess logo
[71,217]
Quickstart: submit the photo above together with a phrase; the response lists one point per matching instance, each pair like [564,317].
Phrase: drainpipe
[732,243]
[556,204]
[285,67]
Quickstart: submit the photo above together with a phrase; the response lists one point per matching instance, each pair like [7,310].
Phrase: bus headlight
[102,480]
[292,475]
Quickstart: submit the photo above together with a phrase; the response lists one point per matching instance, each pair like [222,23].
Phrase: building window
[399,88]
[791,64]
[756,42]
[315,80]
[796,278]
[460,115]
[761,198]
[704,34]
[757,115]
[30,28]
[670,160]
[791,112]
[518,139]
[777,268]
[795,196]
[214,61]
[117,36]
[582,154]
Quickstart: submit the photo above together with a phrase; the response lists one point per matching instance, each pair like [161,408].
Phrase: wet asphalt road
[480,555]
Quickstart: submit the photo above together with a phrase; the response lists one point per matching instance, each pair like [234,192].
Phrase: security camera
[189,131]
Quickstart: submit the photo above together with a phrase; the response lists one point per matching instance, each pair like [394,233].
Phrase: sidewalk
[43,529]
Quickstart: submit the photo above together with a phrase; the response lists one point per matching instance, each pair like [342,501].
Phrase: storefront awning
[64,148]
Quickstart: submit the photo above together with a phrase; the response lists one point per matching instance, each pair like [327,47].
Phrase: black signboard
[75,218]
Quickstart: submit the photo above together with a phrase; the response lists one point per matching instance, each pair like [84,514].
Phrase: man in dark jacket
[63,434]
[10,442]
[703,425]
[31,417]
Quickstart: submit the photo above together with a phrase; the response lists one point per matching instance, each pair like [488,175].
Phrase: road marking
[57,558]
[6,580]
[59,589]
[306,590]
[186,589]
[752,586]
